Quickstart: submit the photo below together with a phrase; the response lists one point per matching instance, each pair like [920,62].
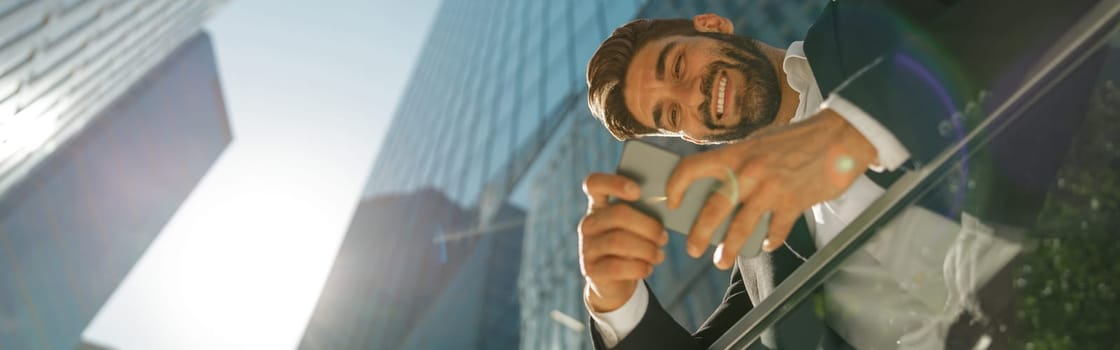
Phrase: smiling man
[737,83]
[695,80]
[874,86]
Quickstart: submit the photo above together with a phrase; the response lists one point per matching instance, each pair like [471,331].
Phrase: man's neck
[790,100]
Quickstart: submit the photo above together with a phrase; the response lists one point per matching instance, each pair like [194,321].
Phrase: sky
[310,89]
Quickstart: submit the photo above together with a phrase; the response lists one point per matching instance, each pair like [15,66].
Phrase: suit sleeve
[658,330]
[932,67]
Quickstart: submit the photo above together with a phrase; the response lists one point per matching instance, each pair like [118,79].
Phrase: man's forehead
[647,56]
[642,74]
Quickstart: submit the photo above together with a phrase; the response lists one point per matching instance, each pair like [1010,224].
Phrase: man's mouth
[721,95]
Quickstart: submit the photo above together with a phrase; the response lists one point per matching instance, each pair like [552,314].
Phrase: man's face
[707,87]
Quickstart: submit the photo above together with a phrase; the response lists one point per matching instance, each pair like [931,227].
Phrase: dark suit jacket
[914,65]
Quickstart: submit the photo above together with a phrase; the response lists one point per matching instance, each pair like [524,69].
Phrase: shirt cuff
[891,152]
[616,325]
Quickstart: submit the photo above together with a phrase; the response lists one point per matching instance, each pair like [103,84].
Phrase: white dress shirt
[906,285]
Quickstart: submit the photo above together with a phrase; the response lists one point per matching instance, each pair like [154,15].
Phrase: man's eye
[673,116]
[677,68]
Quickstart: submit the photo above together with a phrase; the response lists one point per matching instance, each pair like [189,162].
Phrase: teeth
[720,96]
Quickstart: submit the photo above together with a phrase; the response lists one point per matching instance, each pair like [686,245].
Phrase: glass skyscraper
[63,62]
[111,111]
[495,114]
[71,230]
[403,280]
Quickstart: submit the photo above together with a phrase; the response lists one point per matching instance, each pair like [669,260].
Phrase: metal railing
[1079,42]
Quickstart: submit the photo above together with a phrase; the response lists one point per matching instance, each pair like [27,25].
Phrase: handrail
[1083,39]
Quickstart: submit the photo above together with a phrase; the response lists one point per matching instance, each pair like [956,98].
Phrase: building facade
[413,273]
[64,61]
[495,114]
[110,114]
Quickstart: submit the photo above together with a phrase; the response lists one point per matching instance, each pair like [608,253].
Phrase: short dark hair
[606,72]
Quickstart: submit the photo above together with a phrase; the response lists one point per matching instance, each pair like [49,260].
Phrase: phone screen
[650,166]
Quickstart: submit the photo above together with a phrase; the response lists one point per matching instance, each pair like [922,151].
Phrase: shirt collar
[796,49]
[800,78]
[796,67]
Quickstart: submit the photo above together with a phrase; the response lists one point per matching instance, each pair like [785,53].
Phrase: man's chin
[729,121]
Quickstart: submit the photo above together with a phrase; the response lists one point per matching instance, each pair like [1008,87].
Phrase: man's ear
[712,23]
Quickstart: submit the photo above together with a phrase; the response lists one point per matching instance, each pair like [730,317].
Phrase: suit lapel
[784,259]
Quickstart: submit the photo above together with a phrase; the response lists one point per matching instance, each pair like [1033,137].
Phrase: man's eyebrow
[661,60]
[657,116]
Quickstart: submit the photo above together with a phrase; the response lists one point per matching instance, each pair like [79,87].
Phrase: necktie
[799,240]
[801,328]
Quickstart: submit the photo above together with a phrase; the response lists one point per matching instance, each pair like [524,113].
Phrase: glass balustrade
[1007,240]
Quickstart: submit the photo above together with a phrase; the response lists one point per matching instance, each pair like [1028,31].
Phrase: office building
[413,272]
[62,62]
[110,113]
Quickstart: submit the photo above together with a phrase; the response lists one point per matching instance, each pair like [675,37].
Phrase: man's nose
[690,95]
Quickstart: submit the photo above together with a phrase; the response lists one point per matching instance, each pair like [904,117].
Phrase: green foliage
[1068,286]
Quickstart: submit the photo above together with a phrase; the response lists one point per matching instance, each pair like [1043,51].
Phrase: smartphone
[650,166]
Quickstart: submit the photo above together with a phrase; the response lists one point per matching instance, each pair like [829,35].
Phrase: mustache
[756,99]
[706,85]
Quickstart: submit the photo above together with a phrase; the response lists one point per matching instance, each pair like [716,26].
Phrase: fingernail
[718,254]
[664,237]
[766,246]
[694,251]
[660,256]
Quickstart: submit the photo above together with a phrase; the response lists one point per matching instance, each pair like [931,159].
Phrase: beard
[757,101]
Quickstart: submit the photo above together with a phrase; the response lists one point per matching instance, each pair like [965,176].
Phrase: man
[874,86]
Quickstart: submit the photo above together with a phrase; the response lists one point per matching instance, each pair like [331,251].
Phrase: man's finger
[741,229]
[618,269]
[600,186]
[623,244]
[623,216]
[689,170]
[781,222]
[715,209]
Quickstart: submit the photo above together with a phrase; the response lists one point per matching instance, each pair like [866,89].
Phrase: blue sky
[310,89]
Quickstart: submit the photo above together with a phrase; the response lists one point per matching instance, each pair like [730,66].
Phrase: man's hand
[783,170]
[619,246]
